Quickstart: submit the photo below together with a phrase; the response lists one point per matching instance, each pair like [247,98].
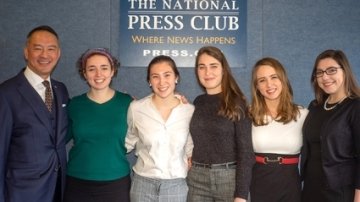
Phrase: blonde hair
[287,110]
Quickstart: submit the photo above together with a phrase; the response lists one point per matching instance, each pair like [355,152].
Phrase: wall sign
[178,28]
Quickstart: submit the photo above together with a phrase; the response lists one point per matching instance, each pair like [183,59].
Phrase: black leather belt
[214,166]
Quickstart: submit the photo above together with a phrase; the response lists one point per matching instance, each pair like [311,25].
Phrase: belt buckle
[277,160]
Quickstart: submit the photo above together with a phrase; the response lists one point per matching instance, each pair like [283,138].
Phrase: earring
[150,85]
[176,82]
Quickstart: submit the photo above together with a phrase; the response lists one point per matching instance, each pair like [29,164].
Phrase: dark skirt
[315,192]
[78,190]
[274,182]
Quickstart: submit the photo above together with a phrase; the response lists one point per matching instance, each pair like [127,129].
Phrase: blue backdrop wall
[293,31]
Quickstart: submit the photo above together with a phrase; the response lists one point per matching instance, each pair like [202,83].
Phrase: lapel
[35,102]
[59,105]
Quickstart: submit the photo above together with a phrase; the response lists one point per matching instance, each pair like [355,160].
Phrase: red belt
[279,160]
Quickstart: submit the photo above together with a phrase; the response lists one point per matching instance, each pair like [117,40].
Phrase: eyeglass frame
[320,73]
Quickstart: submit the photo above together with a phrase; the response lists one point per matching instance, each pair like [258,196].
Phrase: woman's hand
[189,163]
[237,199]
[357,195]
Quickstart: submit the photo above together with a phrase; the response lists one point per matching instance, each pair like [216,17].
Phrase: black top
[220,140]
[331,147]
[314,178]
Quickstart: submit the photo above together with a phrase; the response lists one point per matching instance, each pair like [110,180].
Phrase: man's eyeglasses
[328,71]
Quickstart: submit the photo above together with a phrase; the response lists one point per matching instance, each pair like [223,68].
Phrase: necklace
[335,105]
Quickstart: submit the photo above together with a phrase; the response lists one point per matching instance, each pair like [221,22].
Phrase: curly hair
[81,63]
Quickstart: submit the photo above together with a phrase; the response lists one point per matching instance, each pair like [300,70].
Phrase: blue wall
[294,31]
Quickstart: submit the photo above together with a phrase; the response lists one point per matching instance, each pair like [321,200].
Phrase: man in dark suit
[32,133]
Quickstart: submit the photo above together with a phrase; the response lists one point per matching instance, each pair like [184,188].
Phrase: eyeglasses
[328,71]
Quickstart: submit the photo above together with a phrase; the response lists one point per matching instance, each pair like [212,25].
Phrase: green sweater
[98,131]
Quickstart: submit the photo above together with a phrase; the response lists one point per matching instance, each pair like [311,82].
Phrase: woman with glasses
[330,163]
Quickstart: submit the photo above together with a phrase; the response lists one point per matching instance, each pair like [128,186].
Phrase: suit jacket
[32,151]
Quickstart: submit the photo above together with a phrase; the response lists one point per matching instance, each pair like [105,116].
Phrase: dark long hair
[163,58]
[351,86]
[233,101]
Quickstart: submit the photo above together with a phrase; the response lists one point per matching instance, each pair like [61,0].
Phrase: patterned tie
[48,95]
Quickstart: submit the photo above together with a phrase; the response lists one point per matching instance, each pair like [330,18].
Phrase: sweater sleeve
[245,157]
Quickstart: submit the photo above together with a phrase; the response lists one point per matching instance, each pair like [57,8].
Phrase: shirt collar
[33,78]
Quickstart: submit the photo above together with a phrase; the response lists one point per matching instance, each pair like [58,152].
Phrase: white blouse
[279,138]
[162,147]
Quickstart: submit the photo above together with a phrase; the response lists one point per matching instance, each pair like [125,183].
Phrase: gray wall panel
[293,31]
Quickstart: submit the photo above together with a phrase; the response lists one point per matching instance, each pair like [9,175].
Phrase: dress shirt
[36,82]
[162,147]
[279,138]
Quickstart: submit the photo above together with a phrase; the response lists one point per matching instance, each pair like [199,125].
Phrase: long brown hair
[287,110]
[351,86]
[233,102]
